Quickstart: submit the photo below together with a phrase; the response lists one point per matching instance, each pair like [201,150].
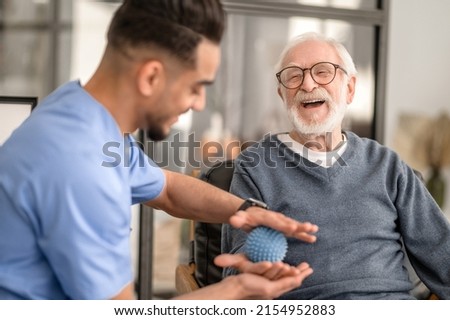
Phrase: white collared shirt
[323,159]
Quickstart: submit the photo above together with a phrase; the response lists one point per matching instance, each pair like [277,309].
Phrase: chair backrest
[207,239]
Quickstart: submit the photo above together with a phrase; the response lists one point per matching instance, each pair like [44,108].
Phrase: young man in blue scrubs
[65,213]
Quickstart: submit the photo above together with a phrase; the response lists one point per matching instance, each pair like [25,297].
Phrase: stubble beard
[155,129]
[156,134]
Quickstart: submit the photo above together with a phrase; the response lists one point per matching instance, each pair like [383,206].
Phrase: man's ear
[279,93]
[150,76]
[351,89]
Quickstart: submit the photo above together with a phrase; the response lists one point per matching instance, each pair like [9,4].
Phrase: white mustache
[316,94]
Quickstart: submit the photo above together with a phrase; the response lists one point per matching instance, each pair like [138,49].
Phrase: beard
[315,127]
[155,129]
[156,133]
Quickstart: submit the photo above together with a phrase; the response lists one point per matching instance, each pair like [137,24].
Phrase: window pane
[342,4]
[65,10]
[25,11]
[24,63]
[64,47]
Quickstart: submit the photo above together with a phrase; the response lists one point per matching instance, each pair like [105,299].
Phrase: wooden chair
[185,281]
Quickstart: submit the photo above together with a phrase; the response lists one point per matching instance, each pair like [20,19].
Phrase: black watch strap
[250,202]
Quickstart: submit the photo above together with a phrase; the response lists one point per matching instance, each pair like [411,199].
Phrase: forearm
[191,198]
[127,293]
[227,289]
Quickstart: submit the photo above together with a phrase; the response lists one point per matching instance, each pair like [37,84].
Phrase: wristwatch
[250,202]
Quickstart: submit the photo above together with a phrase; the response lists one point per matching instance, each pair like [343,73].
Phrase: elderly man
[65,209]
[364,198]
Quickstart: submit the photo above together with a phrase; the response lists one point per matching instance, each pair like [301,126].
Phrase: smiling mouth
[312,103]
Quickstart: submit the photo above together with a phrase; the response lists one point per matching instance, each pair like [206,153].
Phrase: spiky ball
[265,244]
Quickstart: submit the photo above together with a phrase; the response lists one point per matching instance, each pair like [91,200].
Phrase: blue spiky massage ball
[265,244]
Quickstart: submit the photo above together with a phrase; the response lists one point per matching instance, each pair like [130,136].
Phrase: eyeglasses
[322,73]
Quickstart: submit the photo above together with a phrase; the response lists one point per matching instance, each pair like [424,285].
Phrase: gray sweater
[364,205]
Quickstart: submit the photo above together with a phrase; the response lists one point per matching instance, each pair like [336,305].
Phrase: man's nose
[308,83]
[198,104]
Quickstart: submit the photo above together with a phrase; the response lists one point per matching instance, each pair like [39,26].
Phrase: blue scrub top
[65,196]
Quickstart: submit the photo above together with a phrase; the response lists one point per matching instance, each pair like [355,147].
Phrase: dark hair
[174,25]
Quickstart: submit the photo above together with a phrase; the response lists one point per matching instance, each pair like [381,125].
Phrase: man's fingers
[269,270]
[254,217]
[240,262]
[279,270]
[278,276]
[230,260]
[304,230]
[303,266]
[285,284]
[304,273]
[304,237]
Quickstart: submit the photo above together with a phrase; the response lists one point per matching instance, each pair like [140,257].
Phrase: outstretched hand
[265,280]
[254,216]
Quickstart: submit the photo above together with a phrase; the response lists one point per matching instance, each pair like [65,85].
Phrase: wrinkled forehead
[307,53]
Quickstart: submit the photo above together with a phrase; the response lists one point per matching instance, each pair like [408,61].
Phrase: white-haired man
[364,198]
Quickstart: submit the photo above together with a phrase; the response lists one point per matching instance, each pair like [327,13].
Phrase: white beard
[337,111]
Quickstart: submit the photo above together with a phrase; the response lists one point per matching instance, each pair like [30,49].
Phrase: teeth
[312,101]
